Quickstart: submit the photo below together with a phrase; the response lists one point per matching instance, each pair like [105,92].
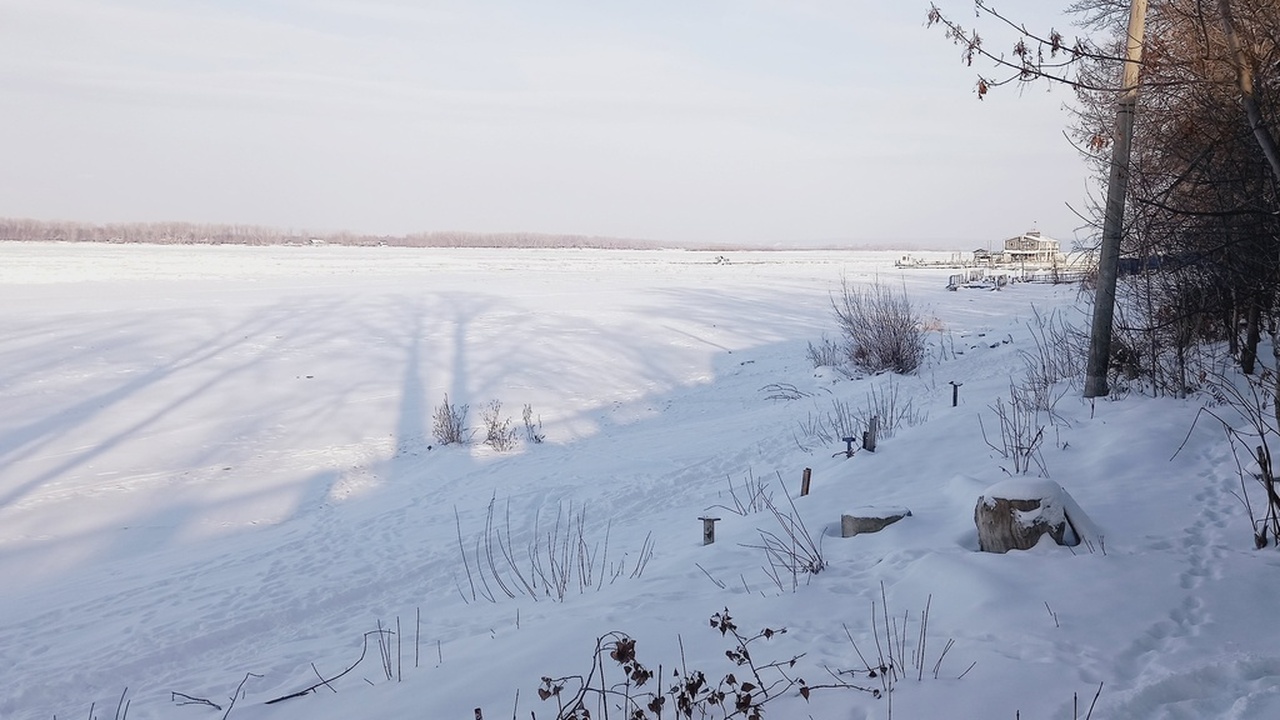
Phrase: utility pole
[1104,303]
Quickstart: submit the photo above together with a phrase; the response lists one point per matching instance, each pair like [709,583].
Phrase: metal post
[708,529]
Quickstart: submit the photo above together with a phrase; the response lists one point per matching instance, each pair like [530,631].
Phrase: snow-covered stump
[1016,513]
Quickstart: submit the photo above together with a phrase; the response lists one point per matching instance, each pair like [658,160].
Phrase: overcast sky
[764,122]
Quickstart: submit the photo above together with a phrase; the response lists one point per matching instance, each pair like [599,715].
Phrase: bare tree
[1199,222]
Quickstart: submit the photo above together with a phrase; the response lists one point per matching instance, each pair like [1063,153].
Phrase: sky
[770,122]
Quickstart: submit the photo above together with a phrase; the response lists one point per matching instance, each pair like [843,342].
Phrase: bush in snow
[449,423]
[560,558]
[793,551]
[685,692]
[894,412]
[1021,431]
[532,428]
[881,328]
[827,353]
[752,497]
[751,681]
[498,433]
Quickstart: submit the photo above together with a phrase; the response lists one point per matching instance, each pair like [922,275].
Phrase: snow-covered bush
[881,328]
[532,428]
[449,423]
[498,433]
[827,353]
[885,402]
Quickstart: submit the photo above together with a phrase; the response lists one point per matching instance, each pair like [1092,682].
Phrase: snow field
[219,461]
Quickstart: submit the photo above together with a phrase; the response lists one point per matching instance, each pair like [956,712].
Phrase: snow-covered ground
[217,471]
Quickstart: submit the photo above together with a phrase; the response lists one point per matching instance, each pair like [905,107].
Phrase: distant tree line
[182,233]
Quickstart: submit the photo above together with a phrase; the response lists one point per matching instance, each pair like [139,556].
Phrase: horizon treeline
[185,233]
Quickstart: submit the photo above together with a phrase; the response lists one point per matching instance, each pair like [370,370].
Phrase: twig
[326,682]
[704,572]
[185,699]
[924,637]
[463,551]
[120,704]
[364,650]
[938,665]
[239,693]
[1095,701]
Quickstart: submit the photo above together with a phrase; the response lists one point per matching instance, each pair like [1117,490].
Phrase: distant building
[1031,248]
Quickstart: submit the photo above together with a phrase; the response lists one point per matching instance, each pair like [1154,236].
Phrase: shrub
[498,433]
[881,328]
[1021,431]
[688,692]
[894,413]
[449,423]
[562,556]
[532,429]
[793,551]
[827,353]
[752,497]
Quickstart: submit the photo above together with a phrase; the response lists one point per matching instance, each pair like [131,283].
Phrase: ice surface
[219,461]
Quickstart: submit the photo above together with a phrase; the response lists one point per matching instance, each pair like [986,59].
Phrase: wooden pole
[869,437]
[1104,302]
[804,481]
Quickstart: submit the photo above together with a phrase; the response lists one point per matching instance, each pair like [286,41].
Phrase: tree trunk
[1233,326]
[1248,94]
[1249,353]
[1275,386]
[1104,304]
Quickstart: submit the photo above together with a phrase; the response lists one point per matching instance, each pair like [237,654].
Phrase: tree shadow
[323,434]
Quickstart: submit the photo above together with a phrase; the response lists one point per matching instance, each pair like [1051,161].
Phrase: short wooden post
[804,481]
[479,715]
[869,437]
[955,393]
[708,529]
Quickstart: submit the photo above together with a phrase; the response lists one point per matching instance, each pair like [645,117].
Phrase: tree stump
[1016,513]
